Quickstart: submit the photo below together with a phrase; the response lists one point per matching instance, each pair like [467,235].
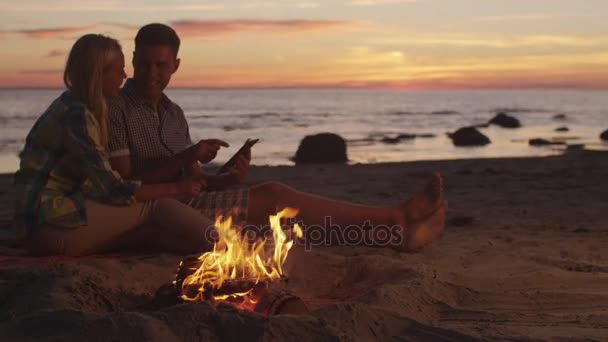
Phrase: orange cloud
[216,27]
[380,2]
[56,32]
[195,28]
[56,53]
[41,72]
[31,79]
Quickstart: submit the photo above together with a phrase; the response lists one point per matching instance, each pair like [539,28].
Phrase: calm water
[281,118]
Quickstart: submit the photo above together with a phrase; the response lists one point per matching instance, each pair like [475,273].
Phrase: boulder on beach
[562,129]
[322,148]
[506,121]
[604,135]
[468,136]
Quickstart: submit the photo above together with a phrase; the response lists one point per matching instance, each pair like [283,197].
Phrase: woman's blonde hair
[90,56]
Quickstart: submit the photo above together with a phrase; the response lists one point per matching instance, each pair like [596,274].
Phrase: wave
[445,112]
[260,115]
[194,117]
[230,128]
[522,110]
[7,118]
[436,112]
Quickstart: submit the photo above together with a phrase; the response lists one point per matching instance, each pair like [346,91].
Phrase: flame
[233,258]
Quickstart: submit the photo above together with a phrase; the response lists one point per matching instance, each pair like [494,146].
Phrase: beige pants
[165,223]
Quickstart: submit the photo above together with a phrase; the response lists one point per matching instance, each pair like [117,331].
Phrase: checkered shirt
[63,163]
[137,130]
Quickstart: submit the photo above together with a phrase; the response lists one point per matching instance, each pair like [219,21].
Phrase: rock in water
[543,142]
[560,117]
[504,120]
[322,148]
[468,136]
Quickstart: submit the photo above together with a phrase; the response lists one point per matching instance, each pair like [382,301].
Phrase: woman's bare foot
[423,203]
[421,233]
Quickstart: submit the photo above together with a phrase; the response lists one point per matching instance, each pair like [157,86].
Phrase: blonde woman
[68,199]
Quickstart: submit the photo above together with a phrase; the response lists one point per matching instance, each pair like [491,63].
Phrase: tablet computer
[246,146]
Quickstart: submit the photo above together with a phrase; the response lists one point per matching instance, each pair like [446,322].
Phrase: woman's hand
[191,187]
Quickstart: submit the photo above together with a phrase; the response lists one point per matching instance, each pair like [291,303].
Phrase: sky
[392,44]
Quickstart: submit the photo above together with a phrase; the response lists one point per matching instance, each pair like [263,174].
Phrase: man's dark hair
[157,34]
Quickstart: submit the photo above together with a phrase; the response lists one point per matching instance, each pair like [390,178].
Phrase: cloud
[195,28]
[517,17]
[216,27]
[497,42]
[142,6]
[55,32]
[60,6]
[41,72]
[379,2]
[56,53]
[529,17]
[307,5]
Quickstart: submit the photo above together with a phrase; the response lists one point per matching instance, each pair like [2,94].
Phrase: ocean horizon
[368,119]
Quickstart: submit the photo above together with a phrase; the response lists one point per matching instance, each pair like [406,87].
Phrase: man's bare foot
[420,234]
[423,203]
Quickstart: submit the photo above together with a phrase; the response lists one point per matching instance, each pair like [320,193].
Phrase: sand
[523,257]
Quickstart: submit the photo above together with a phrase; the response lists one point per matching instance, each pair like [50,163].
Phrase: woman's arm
[149,192]
[102,182]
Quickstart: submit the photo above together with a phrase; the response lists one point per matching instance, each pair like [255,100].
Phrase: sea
[368,119]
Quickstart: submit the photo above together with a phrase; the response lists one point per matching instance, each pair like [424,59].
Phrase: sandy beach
[522,258]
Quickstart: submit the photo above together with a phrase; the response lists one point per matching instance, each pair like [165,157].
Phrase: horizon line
[402,89]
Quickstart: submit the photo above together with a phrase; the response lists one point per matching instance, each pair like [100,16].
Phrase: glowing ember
[233,270]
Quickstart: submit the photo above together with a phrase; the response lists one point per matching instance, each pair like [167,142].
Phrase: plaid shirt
[63,163]
[137,130]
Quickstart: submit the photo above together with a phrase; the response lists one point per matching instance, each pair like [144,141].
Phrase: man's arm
[166,169]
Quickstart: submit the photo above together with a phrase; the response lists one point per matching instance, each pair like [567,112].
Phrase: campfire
[247,275]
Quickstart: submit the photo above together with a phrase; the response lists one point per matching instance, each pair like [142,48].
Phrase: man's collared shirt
[138,130]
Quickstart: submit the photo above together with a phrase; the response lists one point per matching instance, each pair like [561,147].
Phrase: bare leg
[267,198]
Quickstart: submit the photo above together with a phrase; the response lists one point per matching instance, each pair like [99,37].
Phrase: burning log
[247,276]
[275,302]
[265,297]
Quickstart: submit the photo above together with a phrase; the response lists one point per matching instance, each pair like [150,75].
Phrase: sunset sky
[400,44]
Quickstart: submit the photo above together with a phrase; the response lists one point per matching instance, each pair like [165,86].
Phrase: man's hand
[240,167]
[206,150]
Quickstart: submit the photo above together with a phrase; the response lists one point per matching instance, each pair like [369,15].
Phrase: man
[149,136]
[149,140]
